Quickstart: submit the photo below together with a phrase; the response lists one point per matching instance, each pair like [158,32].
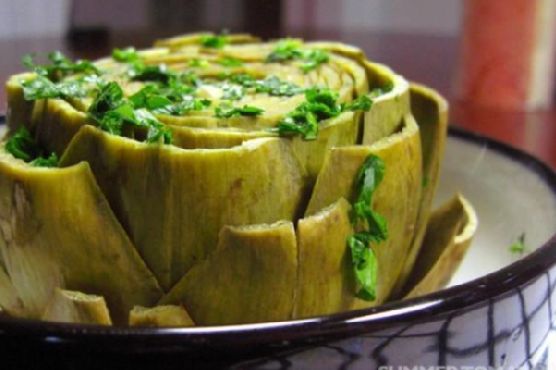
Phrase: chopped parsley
[112,112]
[127,55]
[242,79]
[271,85]
[285,50]
[291,49]
[232,92]
[320,104]
[23,146]
[214,41]
[227,111]
[361,103]
[159,73]
[60,66]
[518,247]
[43,88]
[230,62]
[140,71]
[198,63]
[374,227]
[312,59]
[378,91]
[176,99]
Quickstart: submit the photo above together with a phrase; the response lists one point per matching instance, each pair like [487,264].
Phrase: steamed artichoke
[227,179]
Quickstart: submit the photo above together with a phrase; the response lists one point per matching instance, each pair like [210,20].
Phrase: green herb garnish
[214,41]
[362,103]
[23,146]
[176,99]
[320,104]
[198,63]
[273,86]
[313,58]
[242,79]
[60,66]
[227,111]
[365,267]
[375,228]
[290,49]
[189,104]
[112,112]
[232,92]
[127,55]
[159,73]
[518,247]
[230,62]
[378,91]
[285,50]
[42,88]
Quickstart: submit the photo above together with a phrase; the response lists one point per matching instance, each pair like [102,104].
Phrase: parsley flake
[112,112]
[23,146]
[214,41]
[60,66]
[375,228]
[291,49]
[518,247]
[227,111]
[127,55]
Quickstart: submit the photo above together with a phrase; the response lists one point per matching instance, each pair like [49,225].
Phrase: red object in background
[507,57]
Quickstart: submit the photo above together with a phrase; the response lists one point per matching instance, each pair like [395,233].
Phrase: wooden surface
[426,59]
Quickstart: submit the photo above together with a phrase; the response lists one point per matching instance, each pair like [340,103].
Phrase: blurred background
[435,42]
[94,26]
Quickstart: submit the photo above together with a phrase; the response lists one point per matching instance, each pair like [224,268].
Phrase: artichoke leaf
[190,39]
[388,109]
[396,199]
[325,282]
[76,307]
[449,233]
[57,230]
[238,186]
[431,113]
[160,316]
[9,300]
[250,277]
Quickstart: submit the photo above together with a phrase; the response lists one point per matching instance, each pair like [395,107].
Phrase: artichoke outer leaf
[160,316]
[388,109]
[10,302]
[449,233]
[76,307]
[250,277]
[190,194]
[431,114]
[325,282]
[396,198]
[57,230]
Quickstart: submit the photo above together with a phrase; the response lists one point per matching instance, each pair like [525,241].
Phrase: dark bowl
[499,314]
